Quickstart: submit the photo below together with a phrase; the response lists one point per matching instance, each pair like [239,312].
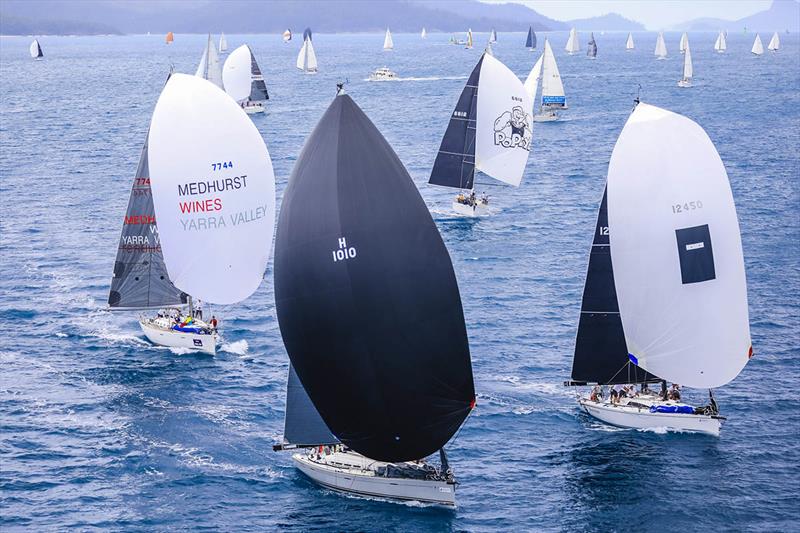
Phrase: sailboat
[223,44]
[468,44]
[287,35]
[493,36]
[424,34]
[169,38]
[720,45]
[573,46]
[244,81]
[307,59]
[214,219]
[629,42]
[661,47]
[489,131]
[774,43]
[553,98]
[660,303]
[686,80]
[388,44]
[370,313]
[209,67]
[530,42]
[758,46]
[36,50]
[684,42]
[591,47]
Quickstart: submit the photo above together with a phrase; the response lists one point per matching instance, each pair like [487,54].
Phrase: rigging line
[453,440]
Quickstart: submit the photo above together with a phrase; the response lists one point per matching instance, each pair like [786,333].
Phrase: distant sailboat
[424,34]
[684,42]
[489,49]
[530,42]
[468,44]
[629,43]
[758,46]
[661,47]
[591,47]
[223,44]
[36,50]
[244,80]
[388,44]
[489,131]
[287,35]
[553,98]
[493,36]
[686,80]
[307,59]
[720,45]
[774,43]
[209,67]
[573,46]
[169,38]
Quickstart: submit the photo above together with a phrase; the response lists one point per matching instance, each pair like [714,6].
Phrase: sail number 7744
[220,166]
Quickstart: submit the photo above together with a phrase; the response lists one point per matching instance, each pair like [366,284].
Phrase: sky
[655,14]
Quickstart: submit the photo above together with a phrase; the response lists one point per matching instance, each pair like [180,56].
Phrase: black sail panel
[140,277]
[455,163]
[258,88]
[303,425]
[601,354]
[530,42]
[366,296]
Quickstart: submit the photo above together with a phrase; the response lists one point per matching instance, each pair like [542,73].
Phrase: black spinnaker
[366,296]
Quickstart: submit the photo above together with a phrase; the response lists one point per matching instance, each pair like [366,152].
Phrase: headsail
[629,42]
[359,261]
[209,67]
[242,77]
[223,44]
[591,48]
[758,46]
[532,81]
[720,45]
[303,426]
[469,39]
[573,46]
[677,252]
[687,65]
[774,43]
[388,43]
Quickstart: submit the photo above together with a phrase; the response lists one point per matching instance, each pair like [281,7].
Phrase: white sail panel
[35,49]
[236,73]
[676,251]
[301,56]
[201,67]
[213,191]
[311,57]
[758,46]
[661,46]
[684,42]
[552,88]
[503,128]
[573,45]
[424,34]
[687,63]
[629,42]
[388,43]
[720,45]
[532,81]
[223,43]
[774,43]
[214,74]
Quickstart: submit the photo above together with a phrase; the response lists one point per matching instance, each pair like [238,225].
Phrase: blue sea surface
[100,429]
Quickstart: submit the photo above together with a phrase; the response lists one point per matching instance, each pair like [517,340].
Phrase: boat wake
[413,78]
[237,347]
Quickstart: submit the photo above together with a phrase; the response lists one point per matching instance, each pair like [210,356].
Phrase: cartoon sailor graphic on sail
[513,129]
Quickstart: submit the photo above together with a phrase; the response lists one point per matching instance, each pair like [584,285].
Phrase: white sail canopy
[424,34]
[237,73]
[573,45]
[758,46]
[209,67]
[629,42]
[774,43]
[552,88]
[388,43]
[223,43]
[307,59]
[720,45]
[684,42]
[213,191]
[661,46]
[676,251]
[469,38]
[36,50]
[687,64]
[503,128]
[532,81]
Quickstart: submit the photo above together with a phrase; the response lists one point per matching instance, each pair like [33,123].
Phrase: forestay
[676,251]
[213,191]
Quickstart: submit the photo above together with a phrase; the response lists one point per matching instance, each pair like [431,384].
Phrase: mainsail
[36,49]
[661,47]
[774,43]
[530,42]
[720,45]
[359,261]
[242,77]
[223,44]
[388,43]
[553,96]
[629,42]
[303,426]
[687,65]
[489,130]
[758,46]
[591,48]
[573,46]
[684,42]
[676,251]
[209,67]
[307,59]
[213,191]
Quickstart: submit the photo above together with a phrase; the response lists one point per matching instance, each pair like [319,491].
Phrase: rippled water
[99,428]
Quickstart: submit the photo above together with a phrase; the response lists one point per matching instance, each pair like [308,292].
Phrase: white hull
[477,210]
[549,116]
[684,83]
[627,416]
[254,109]
[355,474]
[159,334]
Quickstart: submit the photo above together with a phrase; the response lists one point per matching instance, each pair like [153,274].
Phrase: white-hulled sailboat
[758,46]
[36,50]
[287,35]
[661,47]
[223,44]
[307,58]
[468,44]
[206,176]
[209,67]
[489,131]
[686,79]
[721,44]
[388,43]
[660,302]
[629,43]
[684,42]
[244,80]
[493,37]
[774,43]
[573,46]
[553,98]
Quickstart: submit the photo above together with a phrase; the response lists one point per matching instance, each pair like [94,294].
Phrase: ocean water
[102,430]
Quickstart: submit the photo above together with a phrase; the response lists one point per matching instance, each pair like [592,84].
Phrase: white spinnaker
[532,81]
[388,44]
[665,175]
[758,46]
[572,43]
[551,78]
[629,42]
[661,46]
[34,49]
[775,42]
[687,63]
[218,255]
[237,73]
[503,126]
[684,42]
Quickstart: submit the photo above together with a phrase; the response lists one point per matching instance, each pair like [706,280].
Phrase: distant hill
[255,16]
[782,15]
[609,22]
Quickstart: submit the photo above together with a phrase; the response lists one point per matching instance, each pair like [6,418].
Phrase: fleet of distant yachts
[367,300]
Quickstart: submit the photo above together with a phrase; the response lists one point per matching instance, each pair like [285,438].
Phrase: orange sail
[170,37]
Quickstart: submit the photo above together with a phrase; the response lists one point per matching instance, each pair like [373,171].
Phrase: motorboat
[382,74]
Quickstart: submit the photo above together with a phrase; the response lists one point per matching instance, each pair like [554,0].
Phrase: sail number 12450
[688,206]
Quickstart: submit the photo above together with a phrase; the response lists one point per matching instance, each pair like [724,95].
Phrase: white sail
[213,191]
[684,42]
[388,44]
[532,81]
[573,45]
[287,36]
[629,42]
[307,59]
[552,88]
[237,73]
[209,67]
[720,45]
[35,49]
[202,66]
[683,304]
[493,36]
[758,46]
[424,34]
[469,38]
[687,65]
[774,43]
[223,43]
[661,47]
[503,127]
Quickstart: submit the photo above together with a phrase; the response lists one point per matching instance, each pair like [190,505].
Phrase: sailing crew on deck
[615,390]
[596,394]
[213,323]
[675,393]
[198,310]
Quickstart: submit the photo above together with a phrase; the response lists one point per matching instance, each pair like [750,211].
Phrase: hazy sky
[654,14]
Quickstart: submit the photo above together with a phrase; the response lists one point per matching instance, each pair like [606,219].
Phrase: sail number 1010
[220,166]
[688,206]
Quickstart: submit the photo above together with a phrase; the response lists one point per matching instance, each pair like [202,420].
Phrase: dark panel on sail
[258,88]
[140,276]
[530,42]
[307,34]
[455,163]
[39,47]
[303,425]
[591,49]
[601,354]
[696,254]
[366,296]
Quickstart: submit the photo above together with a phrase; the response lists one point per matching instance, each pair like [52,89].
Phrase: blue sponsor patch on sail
[633,359]
[554,99]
